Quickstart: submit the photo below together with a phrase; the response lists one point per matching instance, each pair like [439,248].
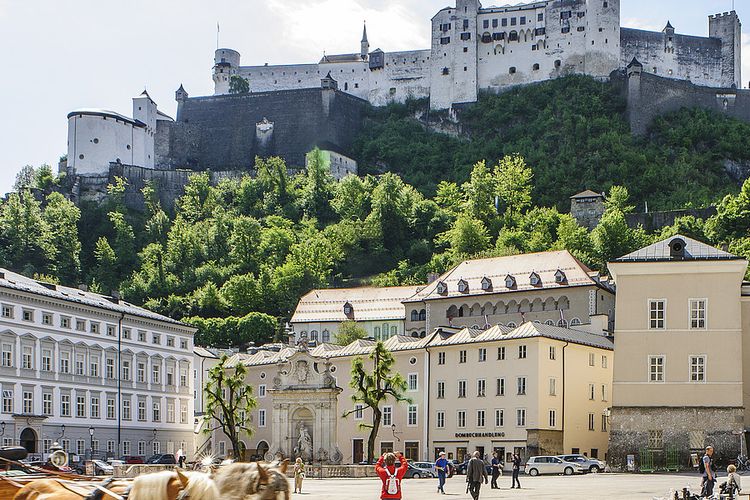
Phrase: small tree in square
[229,401]
[372,389]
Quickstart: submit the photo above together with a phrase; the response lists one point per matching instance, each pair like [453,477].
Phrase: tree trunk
[376,417]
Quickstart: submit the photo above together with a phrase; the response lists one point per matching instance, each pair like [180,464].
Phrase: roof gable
[661,252]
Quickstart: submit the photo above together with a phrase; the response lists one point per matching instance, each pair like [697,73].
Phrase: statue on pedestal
[304,443]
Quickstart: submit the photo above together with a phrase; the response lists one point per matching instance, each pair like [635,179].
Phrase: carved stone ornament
[337,456]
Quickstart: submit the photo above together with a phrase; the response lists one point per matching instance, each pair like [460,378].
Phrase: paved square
[588,487]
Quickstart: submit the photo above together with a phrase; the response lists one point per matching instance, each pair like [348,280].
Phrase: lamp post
[2,428]
[395,434]
[62,431]
[91,442]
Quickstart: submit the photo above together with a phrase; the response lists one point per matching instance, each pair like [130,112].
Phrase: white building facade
[98,375]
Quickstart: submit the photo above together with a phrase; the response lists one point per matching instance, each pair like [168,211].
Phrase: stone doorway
[28,439]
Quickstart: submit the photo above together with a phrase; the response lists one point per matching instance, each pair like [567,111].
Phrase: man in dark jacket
[475,473]
[516,470]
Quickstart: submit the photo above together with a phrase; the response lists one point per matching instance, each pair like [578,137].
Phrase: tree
[468,236]
[238,85]
[62,215]
[318,188]
[352,198]
[25,178]
[372,389]
[513,178]
[732,219]
[618,199]
[480,194]
[228,402]
[24,234]
[349,331]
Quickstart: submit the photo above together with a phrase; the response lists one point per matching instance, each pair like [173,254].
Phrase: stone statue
[304,443]
[302,370]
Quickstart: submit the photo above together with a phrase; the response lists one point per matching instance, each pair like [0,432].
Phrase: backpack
[702,464]
[392,483]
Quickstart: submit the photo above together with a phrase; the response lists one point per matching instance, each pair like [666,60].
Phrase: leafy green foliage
[349,331]
[238,85]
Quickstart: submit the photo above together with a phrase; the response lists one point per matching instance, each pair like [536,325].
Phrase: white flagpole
[217,35]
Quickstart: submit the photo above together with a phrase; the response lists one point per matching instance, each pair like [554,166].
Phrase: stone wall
[688,430]
[219,132]
[650,96]
[544,442]
[653,221]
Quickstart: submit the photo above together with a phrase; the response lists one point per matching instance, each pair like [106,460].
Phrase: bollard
[685,494]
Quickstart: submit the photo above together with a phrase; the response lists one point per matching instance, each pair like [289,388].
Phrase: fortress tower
[364,44]
[602,37]
[728,29]
[226,64]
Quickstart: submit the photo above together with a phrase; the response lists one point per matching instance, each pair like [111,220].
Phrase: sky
[59,56]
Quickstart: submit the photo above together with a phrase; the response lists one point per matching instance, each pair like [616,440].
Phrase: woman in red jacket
[390,475]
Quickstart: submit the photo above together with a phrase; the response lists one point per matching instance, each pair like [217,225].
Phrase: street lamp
[2,428]
[395,434]
[62,430]
[91,441]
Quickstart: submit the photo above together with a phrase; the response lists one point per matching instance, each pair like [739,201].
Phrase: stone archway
[262,449]
[28,439]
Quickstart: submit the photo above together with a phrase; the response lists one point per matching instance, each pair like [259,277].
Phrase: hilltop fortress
[490,49]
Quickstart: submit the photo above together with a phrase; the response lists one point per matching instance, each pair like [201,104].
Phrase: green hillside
[573,133]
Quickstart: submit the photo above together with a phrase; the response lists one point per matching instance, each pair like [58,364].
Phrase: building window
[552,387]
[413,382]
[540,17]
[656,368]
[411,416]
[480,418]
[521,352]
[697,368]
[141,448]
[461,419]
[552,352]
[521,417]
[604,423]
[462,356]
[156,411]
[109,368]
[512,71]
[126,447]
[170,412]
[440,420]
[501,353]
[80,364]
[604,392]
[28,402]
[65,405]
[81,325]
[445,40]
[94,406]
[592,359]
[441,358]
[461,388]
[501,387]
[170,341]
[499,418]
[110,408]
[140,372]
[591,421]
[156,447]
[110,447]
[156,374]
[441,390]
[656,440]
[7,311]
[156,339]
[65,362]
[126,409]
[27,315]
[387,416]
[94,327]
[110,331]
[698,314]
[656,314]
[465,36]
[142,411]
[481,388]
[46,360]
[142,337]
[521,386]
[591,392]
[47,403]
[482,355]
[359,412]
[27,357]
[552,418]
[81,406]
[604,362]
[7,355]
[183,344]
[262,391]
[94,367]
[261,418]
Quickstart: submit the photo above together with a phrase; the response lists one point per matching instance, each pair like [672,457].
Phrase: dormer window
[486,284]
[510,281]
[348,310]
[442,288]
[560,277]
[463,286]
[535,280]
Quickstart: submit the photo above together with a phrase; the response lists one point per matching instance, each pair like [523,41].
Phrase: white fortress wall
[352,77]
[404,75]
[281,77]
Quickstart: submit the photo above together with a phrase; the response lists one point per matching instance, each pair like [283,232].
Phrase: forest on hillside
[573,133]
[234,259]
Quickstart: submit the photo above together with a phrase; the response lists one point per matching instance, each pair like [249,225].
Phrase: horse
[253,481]
[167,485]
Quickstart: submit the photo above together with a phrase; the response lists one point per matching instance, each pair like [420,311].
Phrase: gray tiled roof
[15,281]
[694,250]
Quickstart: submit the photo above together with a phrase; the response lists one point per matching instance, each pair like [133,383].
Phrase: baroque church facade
[475,49]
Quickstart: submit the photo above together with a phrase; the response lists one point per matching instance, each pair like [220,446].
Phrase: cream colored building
[679,379]
[556,408]
[380,311]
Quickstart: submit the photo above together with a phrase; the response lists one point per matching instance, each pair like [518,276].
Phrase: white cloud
[642,24]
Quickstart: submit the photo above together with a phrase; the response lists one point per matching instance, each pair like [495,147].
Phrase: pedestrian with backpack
[390,475]
[706,467]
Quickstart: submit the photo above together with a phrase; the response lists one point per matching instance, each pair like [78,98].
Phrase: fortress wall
[219,132]
[282,77]
[650,96]
[692,58]
[405,75]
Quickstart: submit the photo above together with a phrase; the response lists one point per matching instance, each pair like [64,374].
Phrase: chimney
[116,295]
[83,287]
[599,325]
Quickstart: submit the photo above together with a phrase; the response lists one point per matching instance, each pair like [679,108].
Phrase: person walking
[442,469]
[496,464]
[390,475]
[516,471]
[180,455]
[299,474]
[475,472]
[709,474]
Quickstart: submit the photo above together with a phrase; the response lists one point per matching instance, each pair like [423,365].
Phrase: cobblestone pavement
[588,487]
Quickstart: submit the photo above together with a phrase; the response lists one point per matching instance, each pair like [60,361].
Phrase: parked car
[552,465]
[132,459]
[420,469]
[589,464]
[102,468]
[460,468]
[162,459]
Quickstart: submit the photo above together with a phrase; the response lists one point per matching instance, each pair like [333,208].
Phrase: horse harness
[99,490]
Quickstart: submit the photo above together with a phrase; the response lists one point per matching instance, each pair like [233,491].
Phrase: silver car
[551,465]
[589,464]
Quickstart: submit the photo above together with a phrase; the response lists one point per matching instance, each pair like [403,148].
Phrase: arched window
[575,322]
[461,312]
[415,335]
[326,336]
[376,333]
[563,323]
[394,330]
[422,335]
[511,325]
[314,335]
[422,315]
[549,322]
[513,36]
[414,315]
